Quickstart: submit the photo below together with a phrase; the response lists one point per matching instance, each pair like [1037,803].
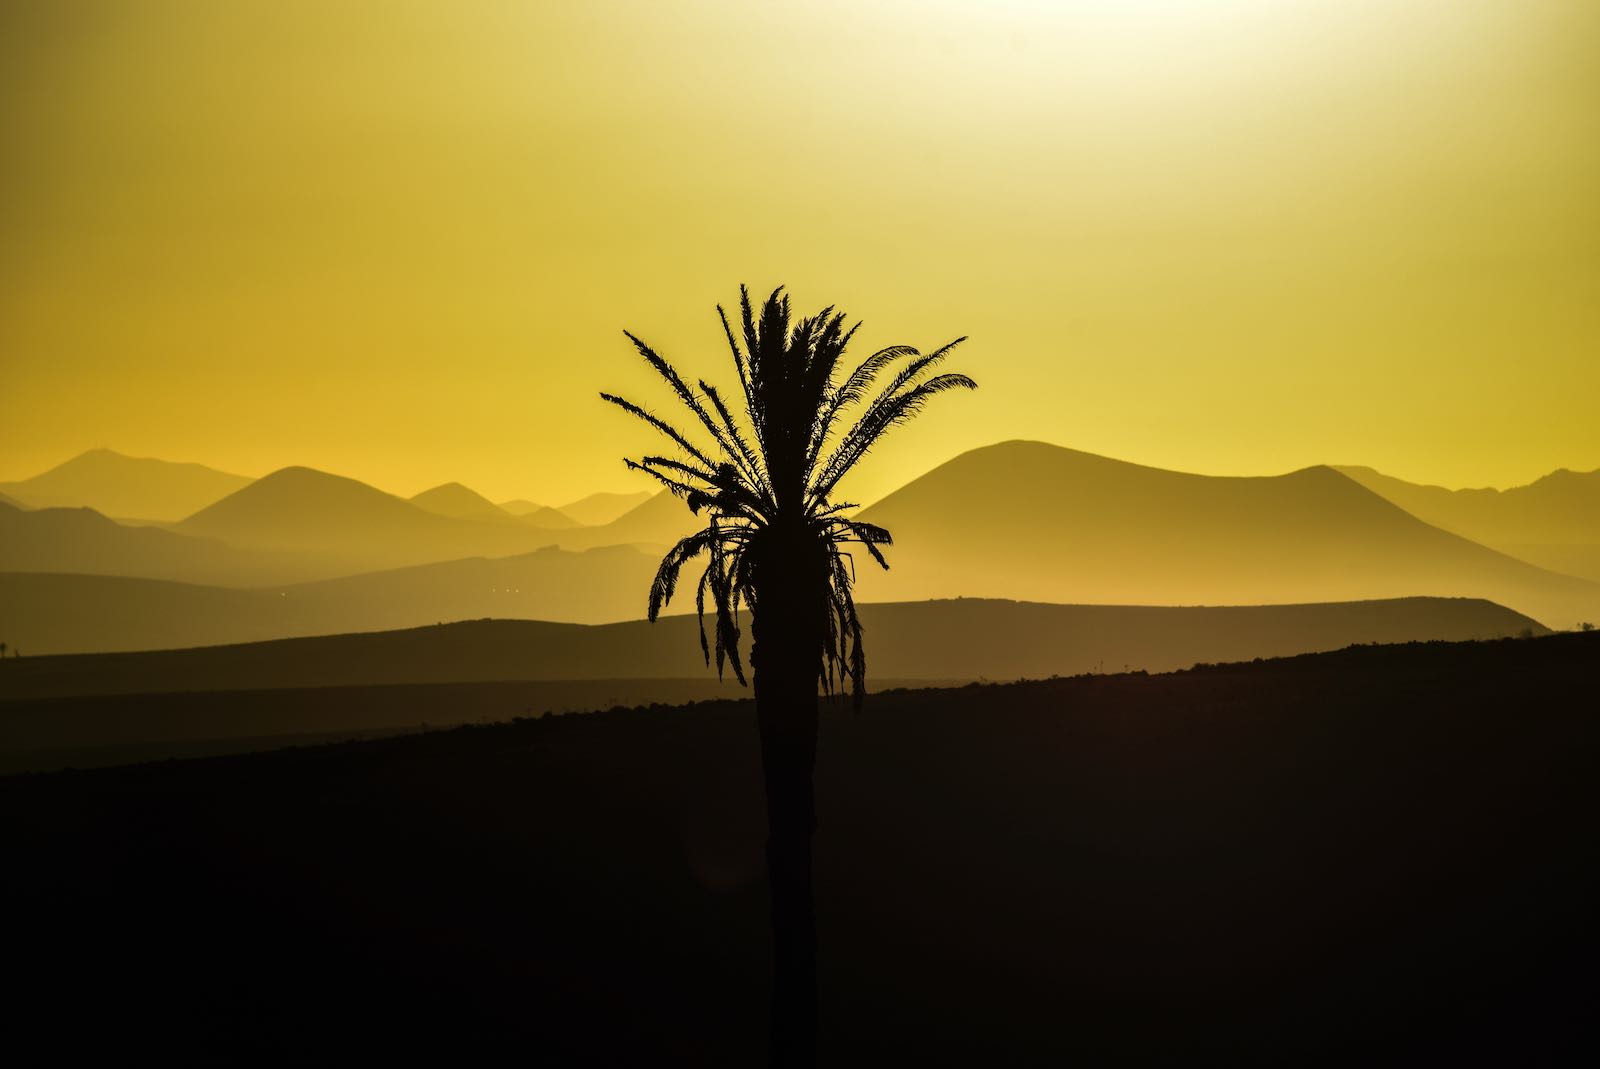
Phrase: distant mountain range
[312,513]
[300,525]
[126,487]
[599,509]
[459,502]
[81,540]
[595,510]
[1030,520]
[44,613]
[164,491]
[1553,522]
[1020,520]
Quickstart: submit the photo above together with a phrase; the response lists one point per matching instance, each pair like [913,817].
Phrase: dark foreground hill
[1377,856]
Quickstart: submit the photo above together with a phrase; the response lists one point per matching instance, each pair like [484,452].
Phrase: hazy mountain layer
[461,502]
[599,509]
[135,487]
[658,522]
[304,511]
[81,540]
[57,613]
[1553,522]
[959,639]
[324,526]
[1035,521]
[1018,520]
[549,519]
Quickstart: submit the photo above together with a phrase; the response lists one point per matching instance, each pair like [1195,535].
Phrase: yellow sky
[399,240]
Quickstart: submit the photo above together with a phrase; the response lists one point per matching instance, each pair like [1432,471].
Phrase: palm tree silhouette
[776,541]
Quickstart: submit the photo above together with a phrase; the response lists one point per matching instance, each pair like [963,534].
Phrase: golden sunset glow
[399,241]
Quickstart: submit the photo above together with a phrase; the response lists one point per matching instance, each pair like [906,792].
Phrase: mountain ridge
[962,638]
[458,501]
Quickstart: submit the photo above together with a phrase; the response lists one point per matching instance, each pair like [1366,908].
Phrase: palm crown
[766,482]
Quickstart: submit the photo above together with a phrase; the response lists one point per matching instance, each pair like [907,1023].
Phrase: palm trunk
[786,657]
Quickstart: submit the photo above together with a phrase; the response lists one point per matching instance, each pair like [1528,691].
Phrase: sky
[400,240]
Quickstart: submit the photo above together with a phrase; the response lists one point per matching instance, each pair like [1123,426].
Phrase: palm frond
[891,412]
[855,387]
[661,425]
[673,486]
[754,469]
[692,401]
[666,580]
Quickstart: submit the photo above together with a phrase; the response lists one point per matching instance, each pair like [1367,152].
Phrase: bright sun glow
[1222,235]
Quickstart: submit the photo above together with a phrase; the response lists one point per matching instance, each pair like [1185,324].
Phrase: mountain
[117,485]
[520,506]
[12,502]
[81,540]
[599,509]
[352,524]
[1033,521]
[658,522]
[299,526]
[1553,522]
[453,499]
[550,519]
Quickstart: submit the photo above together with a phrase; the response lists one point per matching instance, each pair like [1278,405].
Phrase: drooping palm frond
[768,470]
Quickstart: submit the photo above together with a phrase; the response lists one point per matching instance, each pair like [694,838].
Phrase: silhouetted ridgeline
[100,709]
[963,638]
[1383,855]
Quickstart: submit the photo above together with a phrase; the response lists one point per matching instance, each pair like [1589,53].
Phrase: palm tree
[777,542]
